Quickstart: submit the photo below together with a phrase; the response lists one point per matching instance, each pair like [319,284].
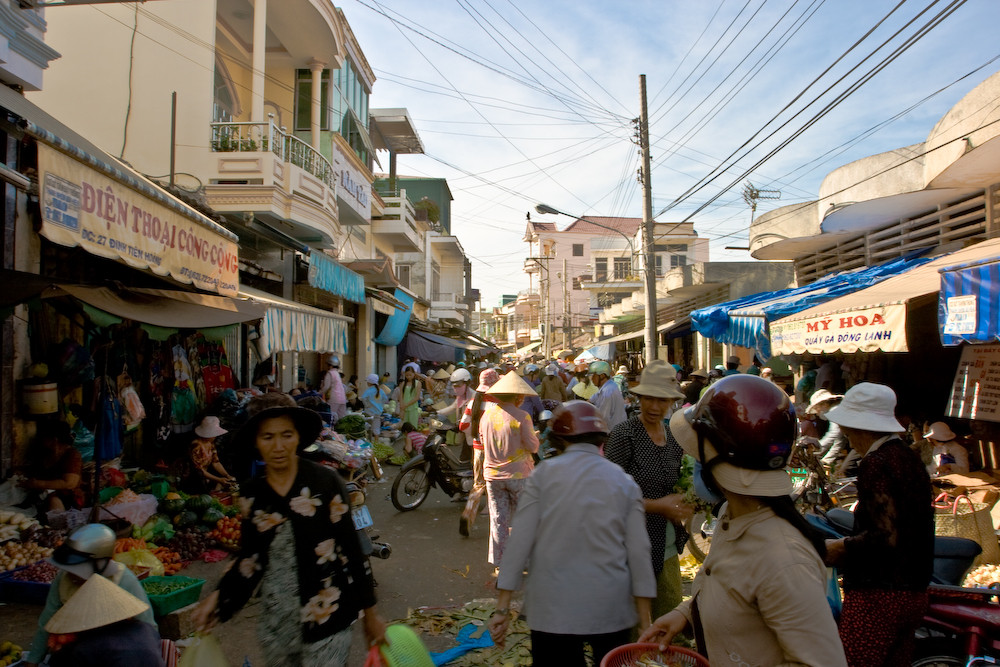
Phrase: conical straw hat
[511,383]
[441,374]
[98,603]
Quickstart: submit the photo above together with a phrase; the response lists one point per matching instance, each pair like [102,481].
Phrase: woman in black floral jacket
[300,547]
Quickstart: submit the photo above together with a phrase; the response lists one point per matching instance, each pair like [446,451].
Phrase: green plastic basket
[404,649]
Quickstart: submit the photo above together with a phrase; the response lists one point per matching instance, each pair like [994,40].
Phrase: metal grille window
[622,268]
[600,269]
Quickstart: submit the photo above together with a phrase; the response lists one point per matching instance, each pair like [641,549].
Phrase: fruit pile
[129,543]
[9,653]
[191,543]
[44,536]
[172,562]
[16,554]
[12,523]
[227,533]
[40,572]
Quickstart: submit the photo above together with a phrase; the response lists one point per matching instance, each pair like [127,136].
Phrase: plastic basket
[629,654]
[30,592]
[164,604]
[404,649]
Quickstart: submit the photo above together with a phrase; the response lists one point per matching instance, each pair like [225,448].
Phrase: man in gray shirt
[580,530]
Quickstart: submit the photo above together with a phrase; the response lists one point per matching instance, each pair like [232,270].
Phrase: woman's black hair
[784,507]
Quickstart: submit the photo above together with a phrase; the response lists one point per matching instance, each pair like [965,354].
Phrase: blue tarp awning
[969,302]
[395,327]
[327,274]
[744,321]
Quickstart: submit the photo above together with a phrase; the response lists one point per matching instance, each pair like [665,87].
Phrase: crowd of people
[592,534]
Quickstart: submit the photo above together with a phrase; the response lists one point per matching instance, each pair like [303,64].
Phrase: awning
[395,327]
[326,273]
[288,326]
[90,199]
[383,302]
[521,351]
[969,302]
[744,321]
[874,318]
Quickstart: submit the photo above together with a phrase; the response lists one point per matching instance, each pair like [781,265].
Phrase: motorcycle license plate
[362,517]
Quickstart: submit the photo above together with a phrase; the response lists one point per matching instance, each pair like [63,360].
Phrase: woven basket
[971,520]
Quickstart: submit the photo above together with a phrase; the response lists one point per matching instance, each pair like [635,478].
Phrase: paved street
[431,565]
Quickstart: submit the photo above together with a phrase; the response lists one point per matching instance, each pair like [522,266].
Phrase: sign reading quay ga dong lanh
[865,330]
[83,207]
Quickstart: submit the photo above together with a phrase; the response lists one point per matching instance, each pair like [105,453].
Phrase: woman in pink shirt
[508,438]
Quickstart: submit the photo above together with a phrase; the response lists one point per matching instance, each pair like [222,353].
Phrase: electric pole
[649,270]
[567,322]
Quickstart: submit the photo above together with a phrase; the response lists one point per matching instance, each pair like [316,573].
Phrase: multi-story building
[595,263]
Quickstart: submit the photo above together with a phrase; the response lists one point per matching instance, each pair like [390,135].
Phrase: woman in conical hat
[508,438]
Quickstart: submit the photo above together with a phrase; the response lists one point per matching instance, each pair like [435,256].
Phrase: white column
[316,67]
[259,43]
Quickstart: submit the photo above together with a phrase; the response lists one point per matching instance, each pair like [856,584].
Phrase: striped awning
[288,326]
[969,302]
[328,274]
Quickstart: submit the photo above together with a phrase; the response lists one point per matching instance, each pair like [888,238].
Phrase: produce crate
[30,592]
[164,604]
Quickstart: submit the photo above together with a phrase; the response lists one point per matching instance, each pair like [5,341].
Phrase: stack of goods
[350,452]
[12,524]
[984,576]
[227,533]
[18,554]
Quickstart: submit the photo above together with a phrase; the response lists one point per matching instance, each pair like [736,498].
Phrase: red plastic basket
[627,655]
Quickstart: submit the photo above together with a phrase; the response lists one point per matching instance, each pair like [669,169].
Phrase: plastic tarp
[328,274]
[395,327]
[744,321]
[969,302]
[418,347]
[873,318]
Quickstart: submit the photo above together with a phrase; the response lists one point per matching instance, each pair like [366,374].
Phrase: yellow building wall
[104,74]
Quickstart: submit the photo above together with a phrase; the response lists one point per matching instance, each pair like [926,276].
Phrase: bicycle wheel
[699,542]
[938,652]
[410,488]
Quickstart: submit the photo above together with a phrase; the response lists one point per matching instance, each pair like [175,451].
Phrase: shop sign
[83,207]
[866,330]
[975,393]
[961,314]
[355,188]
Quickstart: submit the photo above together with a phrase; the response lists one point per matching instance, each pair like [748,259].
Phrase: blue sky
[526,102]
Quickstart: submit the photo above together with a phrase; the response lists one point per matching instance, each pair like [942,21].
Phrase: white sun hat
[869,407]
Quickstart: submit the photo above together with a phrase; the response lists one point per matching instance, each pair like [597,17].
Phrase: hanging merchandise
[108,435]
[183,404]
[134,413]
[194,359]
[72,364]
[215,370]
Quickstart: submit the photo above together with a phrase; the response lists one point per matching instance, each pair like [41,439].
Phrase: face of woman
[653,409]
[277,440]
[408,374]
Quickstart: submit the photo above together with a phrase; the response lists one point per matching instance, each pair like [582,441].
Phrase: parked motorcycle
[437,465]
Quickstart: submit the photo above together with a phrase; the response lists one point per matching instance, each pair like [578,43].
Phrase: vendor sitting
[53,473]
[947,456]
[207,472]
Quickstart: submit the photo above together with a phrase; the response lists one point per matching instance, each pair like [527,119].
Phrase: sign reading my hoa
[881,328]
[83,207]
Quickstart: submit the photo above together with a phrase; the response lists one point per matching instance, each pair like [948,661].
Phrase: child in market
[414,440]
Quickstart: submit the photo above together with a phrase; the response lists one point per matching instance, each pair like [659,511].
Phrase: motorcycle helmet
[577,418]
[742,430]
[461,375]
[333,360]
[86,551]
[600,368]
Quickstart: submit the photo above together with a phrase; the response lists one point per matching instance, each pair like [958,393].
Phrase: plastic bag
[204,651]
[134,412]
[833,591]
[139,559]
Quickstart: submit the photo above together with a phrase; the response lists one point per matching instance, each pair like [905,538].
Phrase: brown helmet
[577,418]
[749,421]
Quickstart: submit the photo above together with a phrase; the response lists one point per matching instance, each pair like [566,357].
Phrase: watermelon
[198,504]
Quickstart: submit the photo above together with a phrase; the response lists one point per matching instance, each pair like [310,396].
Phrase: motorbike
[436,465]
[961,625]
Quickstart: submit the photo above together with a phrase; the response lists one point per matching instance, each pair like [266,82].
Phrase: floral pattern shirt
[335,579]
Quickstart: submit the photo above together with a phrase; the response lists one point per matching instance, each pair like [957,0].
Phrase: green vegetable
[211,516]
[185,518]
[352,426]
[172,506]
[164,587]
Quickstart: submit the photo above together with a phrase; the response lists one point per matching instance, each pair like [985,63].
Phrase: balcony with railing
[265,169]
[399,223]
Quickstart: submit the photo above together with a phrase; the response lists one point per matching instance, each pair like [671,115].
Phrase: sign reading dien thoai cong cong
[83,207]
[865,330]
